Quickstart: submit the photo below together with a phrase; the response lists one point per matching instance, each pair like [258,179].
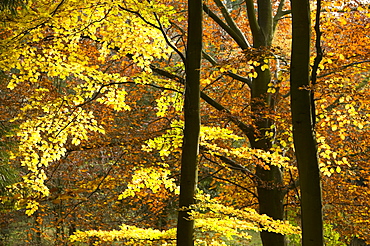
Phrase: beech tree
[190,146]
[94,92]
[303,125]
[62,57]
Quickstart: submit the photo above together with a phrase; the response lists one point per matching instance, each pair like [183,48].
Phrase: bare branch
[255,28]
[240,78]
[318,58]
[239,40]
[168,41]
[280,13]
[343,68]
[140,16]
[230,21]
[238,185]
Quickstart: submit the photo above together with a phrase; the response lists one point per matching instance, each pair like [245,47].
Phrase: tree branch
[239,40]
[251,13]
[160,28]
[230,21]
[280,13]
[240,78]
[238,185]
[317,60]
[92,192]
[343,67]
[168,41]
[140,16]
[248,130]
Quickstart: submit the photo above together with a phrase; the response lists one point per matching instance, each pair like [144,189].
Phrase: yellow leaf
[11,85]
[334,127]
[264,67]
[76,141]
[256,64]
[342,21]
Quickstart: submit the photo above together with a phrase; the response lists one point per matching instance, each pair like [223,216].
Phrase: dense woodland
[162,122]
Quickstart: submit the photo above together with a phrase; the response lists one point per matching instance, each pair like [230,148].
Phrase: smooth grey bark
[303,127]
[190,147]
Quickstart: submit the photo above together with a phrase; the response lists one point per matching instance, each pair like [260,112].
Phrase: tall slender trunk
[303,126]
[270,188]
[190,148]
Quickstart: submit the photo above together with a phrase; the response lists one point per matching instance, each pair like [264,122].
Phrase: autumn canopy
[162,122]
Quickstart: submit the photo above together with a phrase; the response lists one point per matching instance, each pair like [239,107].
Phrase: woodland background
[92,95]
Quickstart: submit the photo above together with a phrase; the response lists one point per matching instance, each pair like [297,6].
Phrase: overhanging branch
[233,34]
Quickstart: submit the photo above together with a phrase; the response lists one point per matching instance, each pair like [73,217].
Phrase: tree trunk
[38,229]
[270,192]
[303,132]
[358,242]
[190,148]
